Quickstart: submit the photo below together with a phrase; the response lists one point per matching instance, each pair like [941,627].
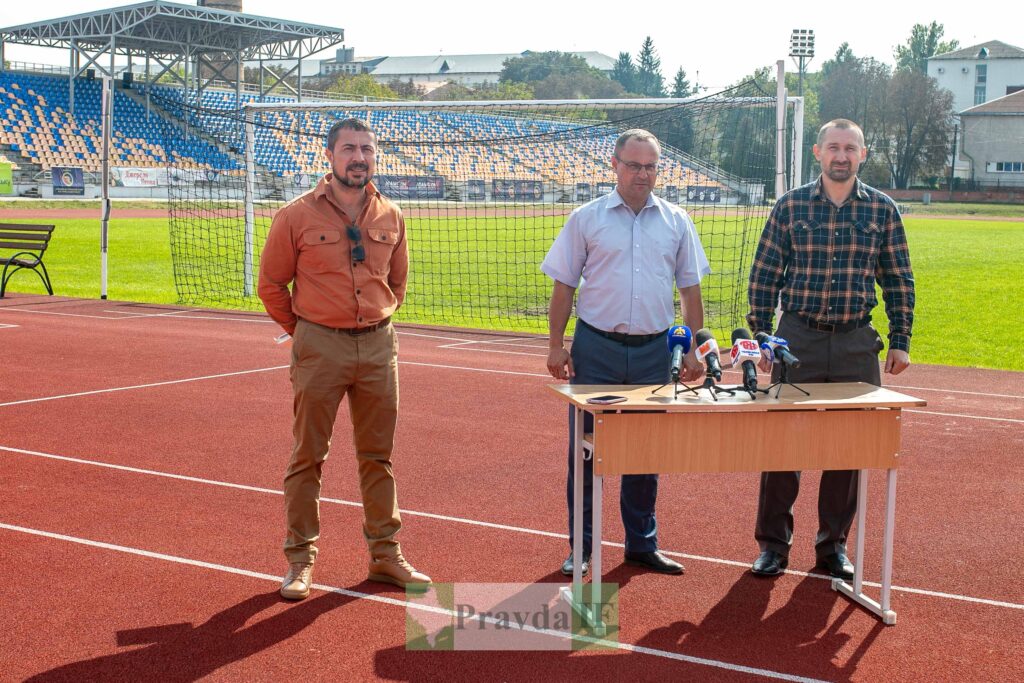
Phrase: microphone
[679,340]
[779,348]
[707,351]
[746,353]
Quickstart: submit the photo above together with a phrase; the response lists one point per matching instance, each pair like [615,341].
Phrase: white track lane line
[426,365]
[457,342]
[141,386]
[5,326]
[383,599]
[479,523]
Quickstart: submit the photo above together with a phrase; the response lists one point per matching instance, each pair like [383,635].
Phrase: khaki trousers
[327,365]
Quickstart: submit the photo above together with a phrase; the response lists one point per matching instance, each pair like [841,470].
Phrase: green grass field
[968,295]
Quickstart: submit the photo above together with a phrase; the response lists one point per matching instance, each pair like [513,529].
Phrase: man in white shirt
[628,248]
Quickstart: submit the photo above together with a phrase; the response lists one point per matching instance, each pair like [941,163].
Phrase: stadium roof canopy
[211,40]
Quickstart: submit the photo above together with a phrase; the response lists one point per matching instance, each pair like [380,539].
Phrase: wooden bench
[29,243]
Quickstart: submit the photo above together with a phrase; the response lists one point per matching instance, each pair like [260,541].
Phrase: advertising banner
[6,179]
[703,193]
[67,181]
[410,186]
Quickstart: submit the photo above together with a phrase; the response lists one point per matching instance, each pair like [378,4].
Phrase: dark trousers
[824,357]
[597,360]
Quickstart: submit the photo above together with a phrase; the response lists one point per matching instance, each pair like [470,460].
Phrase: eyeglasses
[636,168]
[358,252]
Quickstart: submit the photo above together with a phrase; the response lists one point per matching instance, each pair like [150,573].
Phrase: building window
[1006,167]
[981,74]
[979,94]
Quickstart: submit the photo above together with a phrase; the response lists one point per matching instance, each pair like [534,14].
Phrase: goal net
[485,188]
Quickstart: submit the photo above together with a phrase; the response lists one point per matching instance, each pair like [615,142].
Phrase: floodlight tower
[801,47]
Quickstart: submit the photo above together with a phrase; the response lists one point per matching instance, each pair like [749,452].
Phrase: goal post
[485,186]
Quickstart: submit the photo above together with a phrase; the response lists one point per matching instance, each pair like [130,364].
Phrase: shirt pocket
[865,242]
[809,243]
[320,250]
[380,245]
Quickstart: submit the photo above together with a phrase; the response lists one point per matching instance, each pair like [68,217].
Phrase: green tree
[578,86]
[453,91]
[649,81]
[916,125]
[361,85]
[854,88]
[681,86]
[407,90]
[536,66]
[924,42]
[624,72]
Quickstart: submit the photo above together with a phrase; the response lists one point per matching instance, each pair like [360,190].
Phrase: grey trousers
[824,357]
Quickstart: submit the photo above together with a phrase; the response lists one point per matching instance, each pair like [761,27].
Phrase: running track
[141,456]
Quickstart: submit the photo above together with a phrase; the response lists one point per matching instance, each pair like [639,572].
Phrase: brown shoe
[298,580]
[397,571]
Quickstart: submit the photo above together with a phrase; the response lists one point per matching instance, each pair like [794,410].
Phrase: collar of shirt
[858,191]
[323,190]
[615,199]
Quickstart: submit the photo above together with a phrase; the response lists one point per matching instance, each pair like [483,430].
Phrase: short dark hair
[351,123]
[636,134]
[841,124]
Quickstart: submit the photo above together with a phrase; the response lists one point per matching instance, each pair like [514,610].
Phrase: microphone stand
[783,379]
[713,388]
[676,390]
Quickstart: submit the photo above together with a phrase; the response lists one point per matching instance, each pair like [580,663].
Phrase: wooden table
[840,426]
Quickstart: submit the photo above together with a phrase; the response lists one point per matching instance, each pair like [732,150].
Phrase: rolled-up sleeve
[564,261]
[398,273]
[277,270]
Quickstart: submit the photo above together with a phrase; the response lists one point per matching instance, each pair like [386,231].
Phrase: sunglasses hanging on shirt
[356,237]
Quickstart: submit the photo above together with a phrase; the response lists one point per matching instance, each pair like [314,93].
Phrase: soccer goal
[484,187]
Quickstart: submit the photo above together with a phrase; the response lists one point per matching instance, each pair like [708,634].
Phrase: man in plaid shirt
[822,250]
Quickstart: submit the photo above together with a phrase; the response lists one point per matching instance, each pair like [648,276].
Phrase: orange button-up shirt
[308,248]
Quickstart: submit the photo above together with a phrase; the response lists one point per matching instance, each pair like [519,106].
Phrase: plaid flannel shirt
[825,260]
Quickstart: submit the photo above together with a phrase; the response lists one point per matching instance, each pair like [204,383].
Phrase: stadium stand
[38,130]
[38,127]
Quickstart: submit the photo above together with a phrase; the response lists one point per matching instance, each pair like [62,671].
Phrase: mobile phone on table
[607,398]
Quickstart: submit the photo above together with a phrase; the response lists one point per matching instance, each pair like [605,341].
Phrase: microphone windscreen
[679,335]
[740,333]
[703,335]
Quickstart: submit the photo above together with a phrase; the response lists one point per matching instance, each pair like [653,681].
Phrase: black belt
[832,328]
[627,339]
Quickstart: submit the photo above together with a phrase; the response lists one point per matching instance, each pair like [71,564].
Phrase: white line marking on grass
[394,602]
[479,523]
[141,386]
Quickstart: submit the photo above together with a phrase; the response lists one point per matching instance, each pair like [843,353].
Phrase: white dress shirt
[628,263]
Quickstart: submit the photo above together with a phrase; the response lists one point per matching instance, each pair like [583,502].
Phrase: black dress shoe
[837,565]
[567,565]
[769,563]
[654,561]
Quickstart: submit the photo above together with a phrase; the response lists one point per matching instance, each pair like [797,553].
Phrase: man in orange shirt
[342,248]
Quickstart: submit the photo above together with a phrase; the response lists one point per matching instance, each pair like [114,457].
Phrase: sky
[716,43]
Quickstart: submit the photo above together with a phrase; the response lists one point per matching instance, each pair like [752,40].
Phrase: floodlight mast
[801,48]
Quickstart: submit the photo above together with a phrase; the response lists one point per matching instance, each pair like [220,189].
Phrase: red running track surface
[142,451]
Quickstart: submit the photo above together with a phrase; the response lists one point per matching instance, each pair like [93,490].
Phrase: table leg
[889,616]
[595,560]
[855,591]
[862,506]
